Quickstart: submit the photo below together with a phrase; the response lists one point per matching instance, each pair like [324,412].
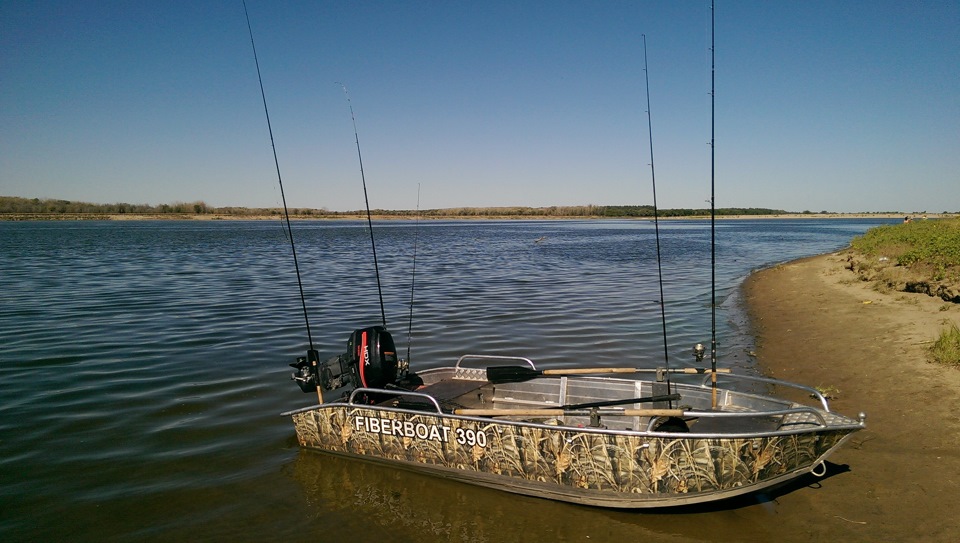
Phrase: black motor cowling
[370,361]
[374,356]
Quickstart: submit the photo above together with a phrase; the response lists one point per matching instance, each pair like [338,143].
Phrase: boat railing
[495,357]
[479,372]
[394,392]
[810,390]
[781,413]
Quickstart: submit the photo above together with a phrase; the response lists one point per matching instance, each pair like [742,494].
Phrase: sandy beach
[817,324]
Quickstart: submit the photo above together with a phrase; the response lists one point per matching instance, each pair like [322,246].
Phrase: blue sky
[820,106]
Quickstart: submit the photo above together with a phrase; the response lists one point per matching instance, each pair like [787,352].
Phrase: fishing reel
[370,361]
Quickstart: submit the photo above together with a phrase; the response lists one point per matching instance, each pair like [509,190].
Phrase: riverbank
[816,323]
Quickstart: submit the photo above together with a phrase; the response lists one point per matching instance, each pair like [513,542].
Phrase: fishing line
[656,218]
[373,245]
[713,211]
[413,277]
[276,161]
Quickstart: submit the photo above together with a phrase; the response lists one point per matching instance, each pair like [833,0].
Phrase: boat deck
[548,400]
[573,391]
[450,394]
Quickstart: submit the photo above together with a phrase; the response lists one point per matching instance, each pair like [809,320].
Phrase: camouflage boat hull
[620,468]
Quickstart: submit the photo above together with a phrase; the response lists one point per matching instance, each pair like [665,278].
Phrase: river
[145,364]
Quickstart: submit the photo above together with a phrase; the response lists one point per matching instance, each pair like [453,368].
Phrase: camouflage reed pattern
[571,458]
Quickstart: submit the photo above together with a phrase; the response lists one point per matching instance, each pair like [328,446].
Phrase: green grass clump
[931,247]
[946,350]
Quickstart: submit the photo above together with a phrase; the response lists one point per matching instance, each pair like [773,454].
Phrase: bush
[930,247]
[946,350]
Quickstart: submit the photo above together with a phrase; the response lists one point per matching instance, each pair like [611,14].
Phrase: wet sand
[897,480]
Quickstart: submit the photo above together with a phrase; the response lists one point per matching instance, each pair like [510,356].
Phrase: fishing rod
[413,278]
[313,356]
[713,210]
[363,179]
[656,218]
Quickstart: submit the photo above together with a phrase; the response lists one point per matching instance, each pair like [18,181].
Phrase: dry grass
[946,350]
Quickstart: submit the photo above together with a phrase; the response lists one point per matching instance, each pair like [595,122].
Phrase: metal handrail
[814,392]
[822,422]
[393,392]
[494,357]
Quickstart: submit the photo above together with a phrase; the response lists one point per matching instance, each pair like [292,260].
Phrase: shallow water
[144,364]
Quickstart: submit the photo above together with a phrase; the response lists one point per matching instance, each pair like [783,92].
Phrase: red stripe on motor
[363,350]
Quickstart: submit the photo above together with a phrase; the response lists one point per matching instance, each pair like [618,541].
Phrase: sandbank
[817,324]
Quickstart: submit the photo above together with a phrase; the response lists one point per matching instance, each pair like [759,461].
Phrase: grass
[946,350]
[829,392]
[928,247]
[918,251]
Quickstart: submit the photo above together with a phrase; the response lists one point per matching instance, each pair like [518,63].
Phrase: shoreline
[17,217]
[815,323]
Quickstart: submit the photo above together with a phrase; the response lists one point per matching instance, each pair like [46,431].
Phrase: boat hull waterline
[611,457]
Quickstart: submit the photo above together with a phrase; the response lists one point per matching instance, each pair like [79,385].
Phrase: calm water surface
[144,364]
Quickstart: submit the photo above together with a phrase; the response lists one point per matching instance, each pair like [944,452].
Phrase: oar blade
[511,374]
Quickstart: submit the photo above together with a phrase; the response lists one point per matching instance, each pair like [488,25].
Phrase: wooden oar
[557,412]
[578,407]
[518,374]
[607,403]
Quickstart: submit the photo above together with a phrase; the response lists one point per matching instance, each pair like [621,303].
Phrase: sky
[840,106]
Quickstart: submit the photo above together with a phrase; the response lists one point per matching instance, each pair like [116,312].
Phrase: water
[144,364]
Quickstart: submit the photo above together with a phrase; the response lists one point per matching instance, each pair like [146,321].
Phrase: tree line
[12,205]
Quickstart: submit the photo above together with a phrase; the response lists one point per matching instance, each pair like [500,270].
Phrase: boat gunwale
[851,427]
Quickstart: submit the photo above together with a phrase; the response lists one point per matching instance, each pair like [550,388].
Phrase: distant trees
[38,206]
[13,204]
[648,211]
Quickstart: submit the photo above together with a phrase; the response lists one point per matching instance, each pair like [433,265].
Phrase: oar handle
[584,371]
[557,412]
[650,413]
[587,371]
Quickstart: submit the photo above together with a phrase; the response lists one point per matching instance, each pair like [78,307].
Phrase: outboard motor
[374,356]
[370,361]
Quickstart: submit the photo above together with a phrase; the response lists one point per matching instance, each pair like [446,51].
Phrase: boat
[626,437]
[574,435]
